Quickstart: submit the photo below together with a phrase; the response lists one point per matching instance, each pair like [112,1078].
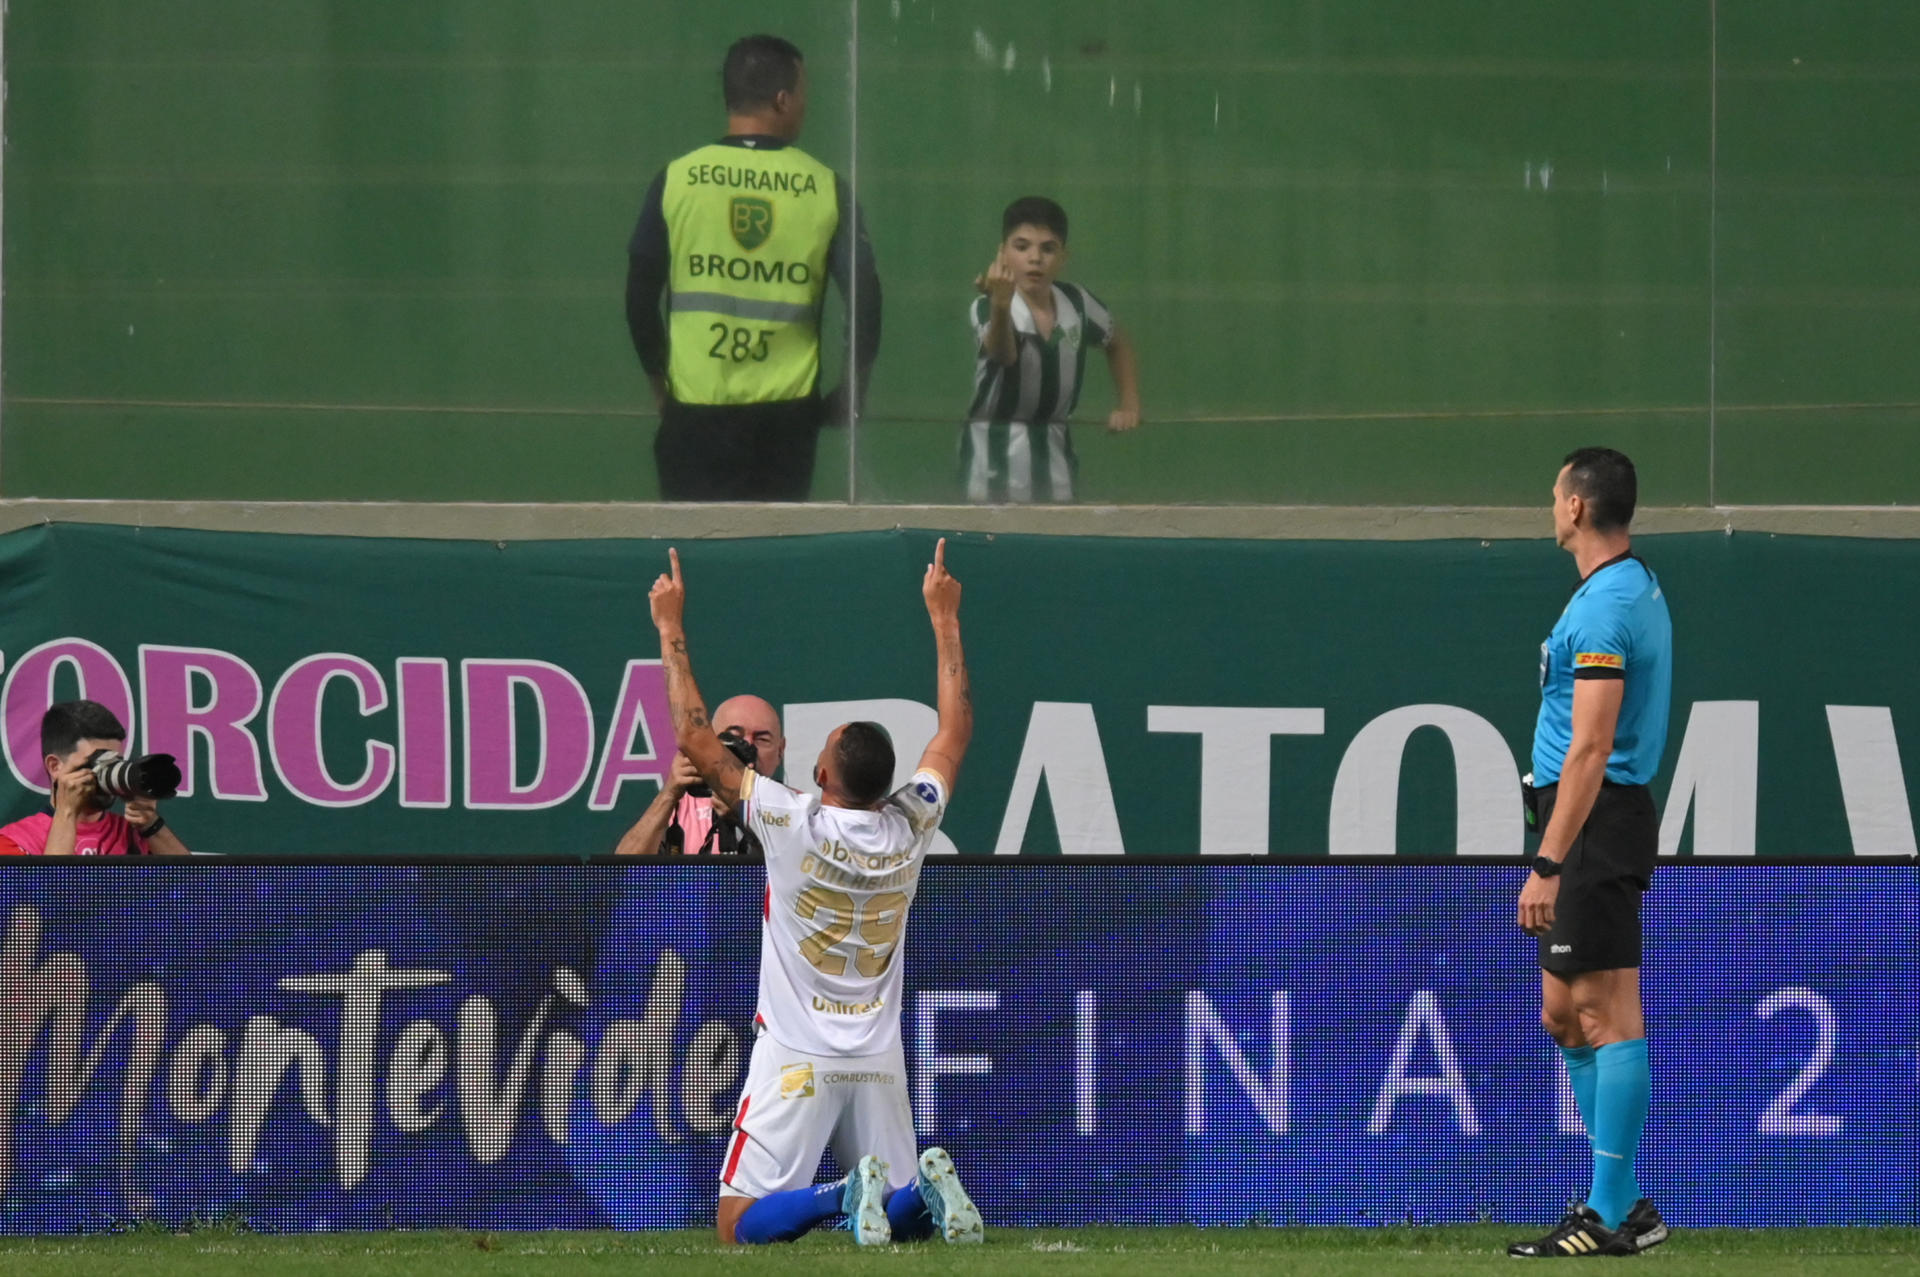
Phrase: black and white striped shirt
[1015,446]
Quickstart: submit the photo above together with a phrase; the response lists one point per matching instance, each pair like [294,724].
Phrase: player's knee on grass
[728,1218]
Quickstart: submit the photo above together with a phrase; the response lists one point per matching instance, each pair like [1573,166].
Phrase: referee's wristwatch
[1547,866]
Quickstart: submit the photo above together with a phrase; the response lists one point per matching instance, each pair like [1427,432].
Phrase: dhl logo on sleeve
[1599,661]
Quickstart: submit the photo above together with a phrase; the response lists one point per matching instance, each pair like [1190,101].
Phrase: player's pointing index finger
[673,561]
[940,555]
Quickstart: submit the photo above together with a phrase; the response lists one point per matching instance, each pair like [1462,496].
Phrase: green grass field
[1333,1252]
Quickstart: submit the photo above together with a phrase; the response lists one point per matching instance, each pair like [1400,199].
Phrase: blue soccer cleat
[953,1210]
[864,1200]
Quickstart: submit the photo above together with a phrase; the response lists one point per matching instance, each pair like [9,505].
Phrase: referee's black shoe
[1644,1225]
[1579,1236]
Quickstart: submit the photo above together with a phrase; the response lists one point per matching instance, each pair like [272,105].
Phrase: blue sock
[782,1217]
[908,1215]
[1620,1099]
[1584,1076]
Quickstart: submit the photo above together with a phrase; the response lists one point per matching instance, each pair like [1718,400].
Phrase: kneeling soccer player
[827,1066]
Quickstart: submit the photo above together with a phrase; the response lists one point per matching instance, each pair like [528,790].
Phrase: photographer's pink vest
[110,835]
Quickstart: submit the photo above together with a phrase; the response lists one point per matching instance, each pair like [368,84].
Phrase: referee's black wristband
[159,823]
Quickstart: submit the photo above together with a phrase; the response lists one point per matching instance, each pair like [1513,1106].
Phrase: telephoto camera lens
[149,776]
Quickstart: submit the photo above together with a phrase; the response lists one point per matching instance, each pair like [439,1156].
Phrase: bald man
[673,808]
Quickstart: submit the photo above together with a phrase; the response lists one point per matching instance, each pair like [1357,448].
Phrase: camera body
[148,776]
[740,747]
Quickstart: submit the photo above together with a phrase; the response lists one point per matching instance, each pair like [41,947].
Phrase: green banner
[1155,697]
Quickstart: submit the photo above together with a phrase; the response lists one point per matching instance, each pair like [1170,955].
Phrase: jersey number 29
[875,924]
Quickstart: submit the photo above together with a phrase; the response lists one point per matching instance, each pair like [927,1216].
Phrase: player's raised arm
[692,729]
[949,744]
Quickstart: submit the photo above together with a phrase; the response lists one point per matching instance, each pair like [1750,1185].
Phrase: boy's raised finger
[940,555]
[673,561]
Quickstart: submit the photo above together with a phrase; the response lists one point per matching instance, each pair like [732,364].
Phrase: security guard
[743,235]
[1606,678]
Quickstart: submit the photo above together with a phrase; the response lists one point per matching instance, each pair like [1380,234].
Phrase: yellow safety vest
[748,231]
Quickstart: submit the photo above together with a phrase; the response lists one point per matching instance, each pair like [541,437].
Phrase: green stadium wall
[1378,251]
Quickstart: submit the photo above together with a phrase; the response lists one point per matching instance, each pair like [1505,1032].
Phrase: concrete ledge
[534,522]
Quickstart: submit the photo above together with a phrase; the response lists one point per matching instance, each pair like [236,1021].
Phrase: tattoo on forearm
[682,695]
[957,673]
[953,668]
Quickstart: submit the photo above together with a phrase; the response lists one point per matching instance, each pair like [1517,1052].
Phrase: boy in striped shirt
[1031,335]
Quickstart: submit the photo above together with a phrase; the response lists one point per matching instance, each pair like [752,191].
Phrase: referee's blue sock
[782,1217]
[908,1215]
[1620,1114]
[1584,1076]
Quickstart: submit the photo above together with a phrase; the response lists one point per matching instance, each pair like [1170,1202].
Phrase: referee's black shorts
[1596,920]
[737,452]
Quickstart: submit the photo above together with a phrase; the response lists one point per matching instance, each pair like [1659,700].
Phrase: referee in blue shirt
[1606,677]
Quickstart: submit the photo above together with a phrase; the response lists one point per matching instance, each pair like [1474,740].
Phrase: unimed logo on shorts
[796,1082]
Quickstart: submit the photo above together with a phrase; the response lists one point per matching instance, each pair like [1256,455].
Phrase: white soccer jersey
[839,884]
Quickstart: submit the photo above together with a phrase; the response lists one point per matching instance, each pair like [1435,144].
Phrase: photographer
[80,743]
[683,818]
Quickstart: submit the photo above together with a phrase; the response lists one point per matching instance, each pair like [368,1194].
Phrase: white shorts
[795,1105]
